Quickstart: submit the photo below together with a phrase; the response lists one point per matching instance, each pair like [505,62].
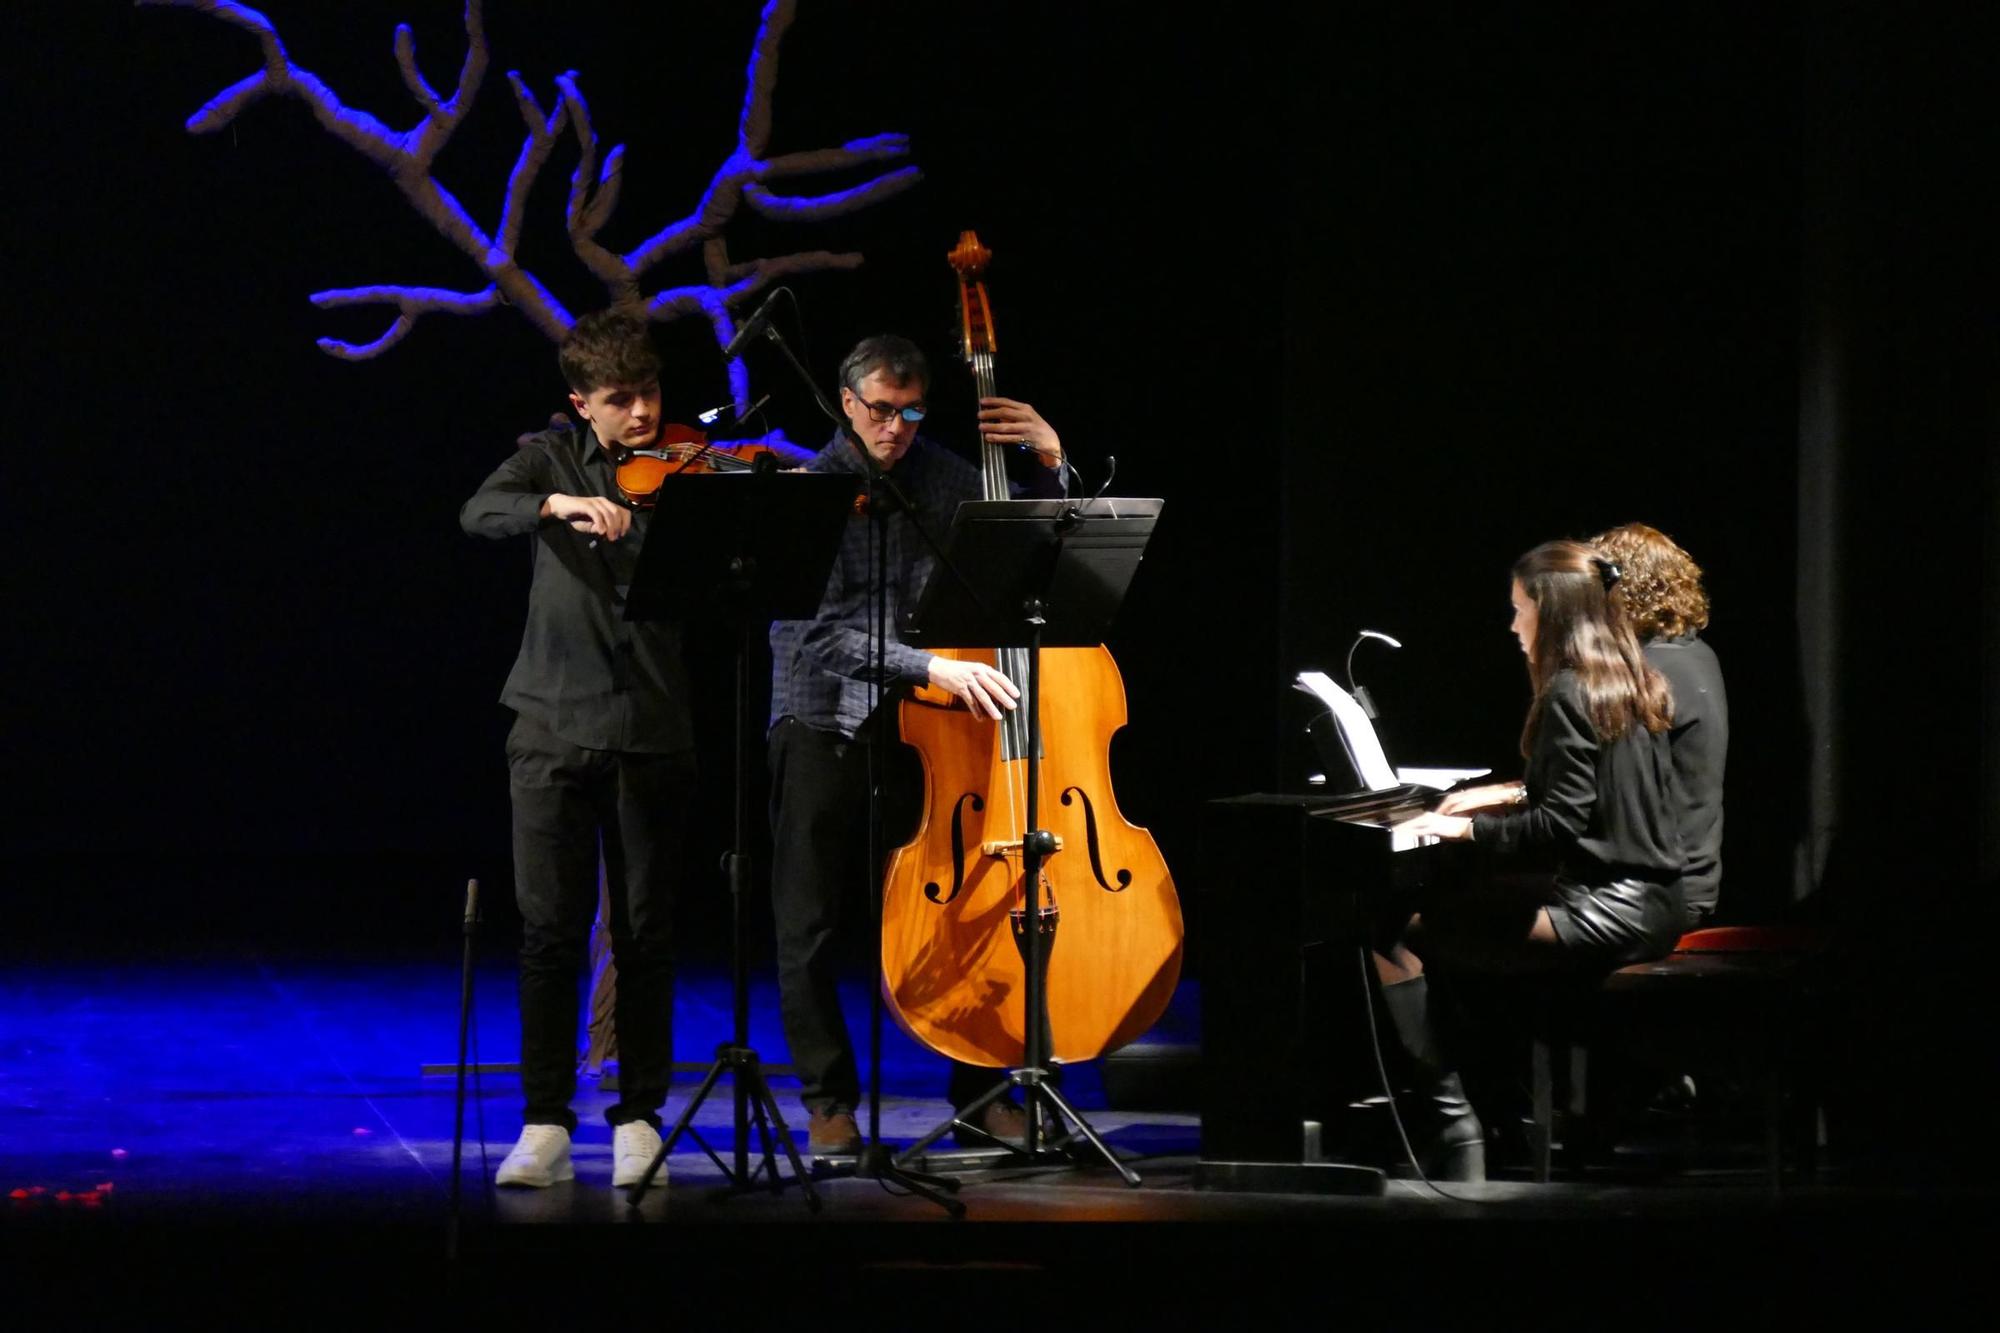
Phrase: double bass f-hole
[1090,841]
[931,890]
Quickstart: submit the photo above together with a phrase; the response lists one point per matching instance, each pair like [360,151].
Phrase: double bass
[953,897]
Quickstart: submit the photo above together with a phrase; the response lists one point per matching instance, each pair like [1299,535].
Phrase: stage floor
[252,1126]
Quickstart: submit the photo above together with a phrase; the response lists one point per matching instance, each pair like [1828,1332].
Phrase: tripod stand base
[1040,1098]
[874,1162]
[754,1106]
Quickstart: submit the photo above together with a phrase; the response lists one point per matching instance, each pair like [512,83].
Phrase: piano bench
[1728,1000]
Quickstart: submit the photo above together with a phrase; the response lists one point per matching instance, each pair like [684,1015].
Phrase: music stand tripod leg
[737,1056]
[961,1118]
[768,1108]
[1078,1125]
[681,1125]
[636,1192]
[768,1167]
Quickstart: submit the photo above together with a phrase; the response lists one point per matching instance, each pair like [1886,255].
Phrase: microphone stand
[875,1161]
[458,1101]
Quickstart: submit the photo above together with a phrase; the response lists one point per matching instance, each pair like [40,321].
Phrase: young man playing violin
[601,747]
[822,724]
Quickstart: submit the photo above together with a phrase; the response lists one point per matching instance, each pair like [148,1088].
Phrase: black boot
[1445,1132]
[1453,1143]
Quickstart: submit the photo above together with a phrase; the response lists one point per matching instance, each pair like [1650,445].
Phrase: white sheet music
[1357,733]
[1364,747]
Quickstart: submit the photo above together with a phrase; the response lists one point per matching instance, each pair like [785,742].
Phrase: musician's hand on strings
[1450,828]
[985,689]
[1493,796]
[1006,421]
[590,513]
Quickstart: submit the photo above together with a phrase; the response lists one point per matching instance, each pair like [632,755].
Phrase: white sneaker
[634,1145]
[540,1158]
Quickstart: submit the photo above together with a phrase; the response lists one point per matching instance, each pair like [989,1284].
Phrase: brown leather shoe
[1004,1121]
[833,1134]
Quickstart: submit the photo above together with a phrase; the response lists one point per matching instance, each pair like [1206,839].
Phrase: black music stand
[746,548]
[1036,573]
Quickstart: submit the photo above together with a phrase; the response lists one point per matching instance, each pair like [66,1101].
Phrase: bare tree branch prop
[745,176]
[411,301]
[543,127]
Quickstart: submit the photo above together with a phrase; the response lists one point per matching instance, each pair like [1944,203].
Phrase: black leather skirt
[1617,924]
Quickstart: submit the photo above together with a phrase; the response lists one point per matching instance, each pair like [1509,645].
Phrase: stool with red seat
[1729,991]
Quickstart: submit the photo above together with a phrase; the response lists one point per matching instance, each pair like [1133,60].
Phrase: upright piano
[1289,890]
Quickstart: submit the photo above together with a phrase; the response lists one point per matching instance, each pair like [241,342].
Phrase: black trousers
[821,889]
[564,798]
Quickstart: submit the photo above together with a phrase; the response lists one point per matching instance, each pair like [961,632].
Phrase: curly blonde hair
[1660,584]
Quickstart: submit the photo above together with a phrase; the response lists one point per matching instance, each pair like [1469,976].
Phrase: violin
[683,451]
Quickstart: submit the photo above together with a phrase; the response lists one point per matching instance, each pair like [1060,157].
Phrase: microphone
[717,413]
[1360,692]
[753,325]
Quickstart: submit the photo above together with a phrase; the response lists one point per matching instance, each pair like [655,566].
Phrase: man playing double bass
[823,687]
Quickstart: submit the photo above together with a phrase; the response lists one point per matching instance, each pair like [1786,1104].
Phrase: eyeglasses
[886,411]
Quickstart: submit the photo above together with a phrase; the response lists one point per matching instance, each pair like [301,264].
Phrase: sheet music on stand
[1365,752]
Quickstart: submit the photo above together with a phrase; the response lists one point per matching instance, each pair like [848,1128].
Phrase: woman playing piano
[1597,797]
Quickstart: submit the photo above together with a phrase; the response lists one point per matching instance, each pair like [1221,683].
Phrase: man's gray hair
[895,358]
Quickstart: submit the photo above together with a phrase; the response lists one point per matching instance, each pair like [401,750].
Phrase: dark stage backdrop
[1547,284]
[265,660]
[1376,298]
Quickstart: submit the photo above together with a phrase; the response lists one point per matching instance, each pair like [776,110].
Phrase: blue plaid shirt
[823,669]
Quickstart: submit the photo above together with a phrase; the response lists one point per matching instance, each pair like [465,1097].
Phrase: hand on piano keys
[1492,796]
[1430,824]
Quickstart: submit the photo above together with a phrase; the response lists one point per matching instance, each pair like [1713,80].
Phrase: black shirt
[1700,743]
[1605,810]
[585,672]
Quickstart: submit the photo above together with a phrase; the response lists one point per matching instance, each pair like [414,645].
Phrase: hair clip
[1608,571]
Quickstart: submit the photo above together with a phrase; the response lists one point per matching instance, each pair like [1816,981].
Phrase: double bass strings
[1011,662]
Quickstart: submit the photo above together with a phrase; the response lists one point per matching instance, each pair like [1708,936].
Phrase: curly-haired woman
[1662,596]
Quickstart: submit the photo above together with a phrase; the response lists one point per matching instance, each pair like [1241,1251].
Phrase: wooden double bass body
[953,970]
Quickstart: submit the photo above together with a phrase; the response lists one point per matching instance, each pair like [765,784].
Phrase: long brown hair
[1578,627]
